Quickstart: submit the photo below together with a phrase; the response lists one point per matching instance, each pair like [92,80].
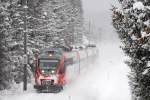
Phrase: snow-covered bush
[132,23]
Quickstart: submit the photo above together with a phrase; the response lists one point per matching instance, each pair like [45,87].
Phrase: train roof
[51,53]
[52,50]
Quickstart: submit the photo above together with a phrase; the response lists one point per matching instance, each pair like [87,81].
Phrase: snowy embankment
[103,79]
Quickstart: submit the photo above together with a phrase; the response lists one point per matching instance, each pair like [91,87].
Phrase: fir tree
[49,23]
[131,21]
[5,64]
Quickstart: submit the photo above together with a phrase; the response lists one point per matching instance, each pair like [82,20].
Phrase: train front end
[50,73]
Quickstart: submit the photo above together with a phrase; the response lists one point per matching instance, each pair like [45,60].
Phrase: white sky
[93,8]
[99,14]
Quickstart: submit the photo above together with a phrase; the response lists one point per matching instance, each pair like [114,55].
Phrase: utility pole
[89,32]
[73,34]
[73,30]
[25,7]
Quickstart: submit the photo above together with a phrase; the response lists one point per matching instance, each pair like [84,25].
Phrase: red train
[50,71]
[51,65]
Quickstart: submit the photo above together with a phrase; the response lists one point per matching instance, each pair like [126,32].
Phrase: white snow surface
[138,6]
[102,79]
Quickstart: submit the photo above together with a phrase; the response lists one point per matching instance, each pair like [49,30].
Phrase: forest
[46,23]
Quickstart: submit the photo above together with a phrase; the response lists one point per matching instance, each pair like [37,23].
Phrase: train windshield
[48,64]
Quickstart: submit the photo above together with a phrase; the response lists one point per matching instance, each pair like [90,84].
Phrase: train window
[50,52]
[48,64]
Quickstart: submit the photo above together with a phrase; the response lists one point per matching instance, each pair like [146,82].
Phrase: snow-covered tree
[5,64]
[65,21]
[78,15]
[132,22]
[48,23]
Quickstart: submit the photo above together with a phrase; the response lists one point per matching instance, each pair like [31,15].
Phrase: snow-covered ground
[104,79]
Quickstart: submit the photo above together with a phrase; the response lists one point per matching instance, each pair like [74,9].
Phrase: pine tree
[49,23]
[131,21]
[5,64]
[66,21]
[78,14]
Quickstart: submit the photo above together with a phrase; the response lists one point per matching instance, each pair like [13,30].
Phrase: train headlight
[50,55]
[53,72]
[43,71]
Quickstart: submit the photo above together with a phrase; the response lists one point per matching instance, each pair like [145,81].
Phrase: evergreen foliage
[49,23]
[5,64]
[132,23]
